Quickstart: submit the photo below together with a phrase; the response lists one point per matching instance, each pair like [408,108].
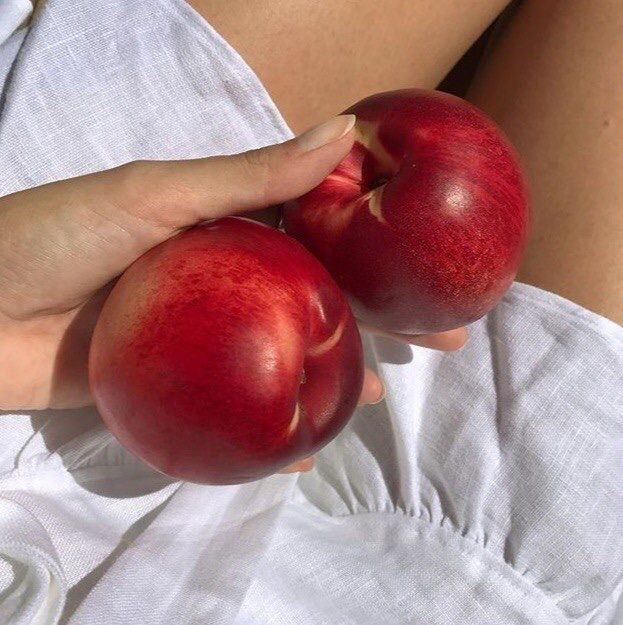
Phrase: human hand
[62,246]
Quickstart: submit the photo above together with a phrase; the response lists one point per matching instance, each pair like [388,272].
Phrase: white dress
[486,489]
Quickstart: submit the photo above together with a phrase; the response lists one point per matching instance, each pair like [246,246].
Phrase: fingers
[182,193]
[306,464]
[373,390]
[448,341]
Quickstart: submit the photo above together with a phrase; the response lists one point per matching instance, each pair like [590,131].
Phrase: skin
[408,44]
[342,51]
[64,244]
[345,51]
[562,106]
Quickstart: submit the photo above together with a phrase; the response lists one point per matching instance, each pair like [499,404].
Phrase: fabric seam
[525,587]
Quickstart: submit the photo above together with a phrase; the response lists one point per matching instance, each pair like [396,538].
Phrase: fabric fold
[32,582]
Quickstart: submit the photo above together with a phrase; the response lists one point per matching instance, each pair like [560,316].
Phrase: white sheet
[487,488]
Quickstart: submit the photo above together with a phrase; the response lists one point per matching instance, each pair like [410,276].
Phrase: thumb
[176,194]
[62,241]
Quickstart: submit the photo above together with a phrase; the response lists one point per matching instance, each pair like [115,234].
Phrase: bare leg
[553,82]
[318,58]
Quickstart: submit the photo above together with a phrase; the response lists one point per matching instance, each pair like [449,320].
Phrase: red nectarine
[423,223]
[225,354]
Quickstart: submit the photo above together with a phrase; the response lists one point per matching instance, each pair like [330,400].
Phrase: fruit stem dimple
[377,182]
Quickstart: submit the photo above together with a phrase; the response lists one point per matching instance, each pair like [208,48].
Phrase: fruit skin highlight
[225,354]
[423,223]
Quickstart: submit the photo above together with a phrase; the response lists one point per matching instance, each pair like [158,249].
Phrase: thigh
[317,58]
[553,82]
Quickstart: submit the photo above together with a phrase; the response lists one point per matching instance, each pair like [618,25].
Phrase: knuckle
[128,182]
[142,188]
[257,159]
[259,168]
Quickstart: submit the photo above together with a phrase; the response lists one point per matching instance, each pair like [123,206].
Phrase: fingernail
[325,133]
[381,396]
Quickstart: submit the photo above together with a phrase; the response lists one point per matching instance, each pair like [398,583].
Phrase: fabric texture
[486,489]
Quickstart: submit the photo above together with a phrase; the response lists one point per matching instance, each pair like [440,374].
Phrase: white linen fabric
[486,489]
